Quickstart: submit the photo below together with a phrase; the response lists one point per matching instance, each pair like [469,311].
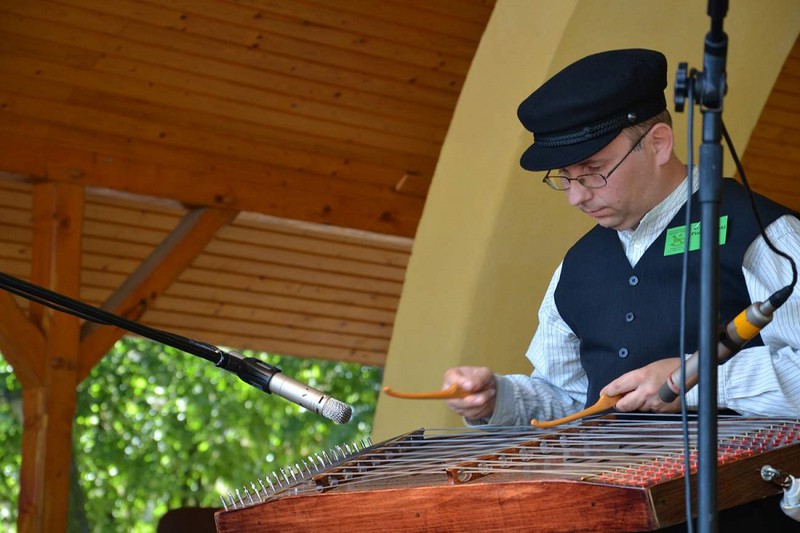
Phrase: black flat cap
[577,112]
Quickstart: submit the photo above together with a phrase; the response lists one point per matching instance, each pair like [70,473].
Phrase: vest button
[629,317]
[633,281]
[623,353]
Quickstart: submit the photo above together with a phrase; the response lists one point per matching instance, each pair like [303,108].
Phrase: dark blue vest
[627,317]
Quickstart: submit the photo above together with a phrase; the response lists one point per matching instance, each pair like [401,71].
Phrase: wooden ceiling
[327,111]
[291,143]
[317,124]
[772,157]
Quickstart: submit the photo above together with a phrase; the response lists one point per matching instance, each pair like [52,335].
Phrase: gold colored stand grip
[605,402]
[450,393]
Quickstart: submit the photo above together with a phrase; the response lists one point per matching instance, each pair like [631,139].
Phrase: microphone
[736,334]
[269,379]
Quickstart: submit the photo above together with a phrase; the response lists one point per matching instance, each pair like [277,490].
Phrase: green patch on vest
[676,237]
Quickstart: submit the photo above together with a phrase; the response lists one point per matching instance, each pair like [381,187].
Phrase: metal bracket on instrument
[486,465]
[346,470]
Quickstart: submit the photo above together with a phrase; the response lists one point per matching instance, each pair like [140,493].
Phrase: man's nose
[577,193]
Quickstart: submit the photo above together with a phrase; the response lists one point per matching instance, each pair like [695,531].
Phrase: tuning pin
[248,495]
[256,491]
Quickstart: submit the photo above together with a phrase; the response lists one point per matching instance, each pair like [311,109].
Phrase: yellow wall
[491,234]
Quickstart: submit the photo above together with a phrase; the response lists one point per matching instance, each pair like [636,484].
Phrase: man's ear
[662,142]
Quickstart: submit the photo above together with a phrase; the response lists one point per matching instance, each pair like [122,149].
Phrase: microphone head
[337,411]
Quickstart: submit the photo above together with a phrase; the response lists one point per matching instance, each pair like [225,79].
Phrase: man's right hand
[480,382]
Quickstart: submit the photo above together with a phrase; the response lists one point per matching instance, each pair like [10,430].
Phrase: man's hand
[479,381]
[640,388]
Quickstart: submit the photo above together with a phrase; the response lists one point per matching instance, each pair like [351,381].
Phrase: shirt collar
[666,209]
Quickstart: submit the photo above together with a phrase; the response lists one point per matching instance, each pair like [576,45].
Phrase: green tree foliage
[158,429]
[10,442]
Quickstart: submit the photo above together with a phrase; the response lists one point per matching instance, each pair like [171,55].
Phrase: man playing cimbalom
[609,321]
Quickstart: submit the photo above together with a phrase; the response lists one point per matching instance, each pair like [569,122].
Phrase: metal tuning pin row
[284,479]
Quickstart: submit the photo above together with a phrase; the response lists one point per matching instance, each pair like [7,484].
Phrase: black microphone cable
[740,169]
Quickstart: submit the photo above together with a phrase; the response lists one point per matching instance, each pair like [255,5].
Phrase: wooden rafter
[21,342]
[225,183]
[151,279]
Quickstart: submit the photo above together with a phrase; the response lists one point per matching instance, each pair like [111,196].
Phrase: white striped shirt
[763,380]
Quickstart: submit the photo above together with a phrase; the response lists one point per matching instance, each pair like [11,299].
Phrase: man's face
[626,197]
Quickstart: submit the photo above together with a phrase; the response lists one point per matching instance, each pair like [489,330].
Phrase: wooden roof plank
[182,90]
[417,16]
[252,148]
[13,250]
[310,18]
[104,270]
[338,235]
[172,321]
[19,269]
[357,163]
[243,26]
[200,55]
[310,244]
[305,260]
[289,347]
[245,292]
[476,11]
[16,236]
[289,272]
[780,117]
[258,261]
[104,120]
[279,318]
[214,108]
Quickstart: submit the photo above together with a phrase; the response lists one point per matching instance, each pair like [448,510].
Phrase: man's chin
[610,222]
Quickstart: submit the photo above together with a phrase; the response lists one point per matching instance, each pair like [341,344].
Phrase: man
[609,321]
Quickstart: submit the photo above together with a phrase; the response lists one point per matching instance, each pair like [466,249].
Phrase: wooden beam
[21,342]
[228,184]
[155,274]
[49,408]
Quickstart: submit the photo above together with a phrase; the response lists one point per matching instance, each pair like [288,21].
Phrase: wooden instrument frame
[506,502]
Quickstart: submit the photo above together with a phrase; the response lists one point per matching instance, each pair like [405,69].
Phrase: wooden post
[49,405]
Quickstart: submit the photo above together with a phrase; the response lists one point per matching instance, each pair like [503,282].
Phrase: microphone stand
[253,371]
[249,369]
[710,89]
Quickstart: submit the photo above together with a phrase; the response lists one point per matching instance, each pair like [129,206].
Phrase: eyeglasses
[594,180]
